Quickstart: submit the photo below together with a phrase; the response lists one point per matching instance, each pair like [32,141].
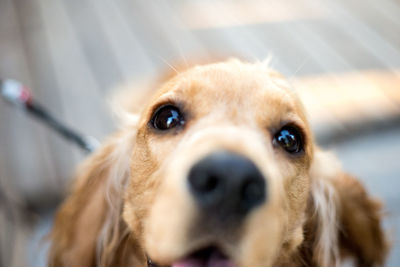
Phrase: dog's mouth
[210,256]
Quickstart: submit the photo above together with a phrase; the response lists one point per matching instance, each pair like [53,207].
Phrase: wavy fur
[128,200]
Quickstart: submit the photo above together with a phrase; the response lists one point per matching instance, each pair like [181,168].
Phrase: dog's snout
[227,184]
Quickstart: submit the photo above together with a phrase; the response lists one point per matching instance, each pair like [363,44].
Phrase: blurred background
[342,55]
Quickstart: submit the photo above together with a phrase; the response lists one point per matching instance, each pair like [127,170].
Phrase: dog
[217,168]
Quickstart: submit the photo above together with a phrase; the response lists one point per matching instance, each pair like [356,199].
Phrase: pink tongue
[215,260]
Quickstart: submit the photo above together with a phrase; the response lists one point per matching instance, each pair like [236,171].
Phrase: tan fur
[130,198]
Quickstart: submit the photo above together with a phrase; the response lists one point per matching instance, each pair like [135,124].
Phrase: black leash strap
[15,93]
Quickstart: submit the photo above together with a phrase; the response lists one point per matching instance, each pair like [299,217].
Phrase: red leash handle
[15,93]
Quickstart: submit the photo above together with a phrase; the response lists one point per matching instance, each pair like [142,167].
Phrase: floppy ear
[343,220]
[361,234]
[88,228]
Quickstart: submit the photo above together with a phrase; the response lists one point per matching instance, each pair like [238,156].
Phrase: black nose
[227,184]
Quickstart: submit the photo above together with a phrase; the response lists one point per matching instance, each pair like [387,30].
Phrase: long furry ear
[343,220]
[361,234]
[88,228]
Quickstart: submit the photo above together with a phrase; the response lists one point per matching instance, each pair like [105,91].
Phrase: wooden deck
[342,55]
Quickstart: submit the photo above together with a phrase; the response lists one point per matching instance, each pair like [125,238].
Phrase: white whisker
[169,65]
[299,68]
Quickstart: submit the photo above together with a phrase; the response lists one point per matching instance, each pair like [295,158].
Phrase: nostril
[253,192]
[210,184]
[203,183]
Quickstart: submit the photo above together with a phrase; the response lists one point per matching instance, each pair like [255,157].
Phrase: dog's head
[220,168]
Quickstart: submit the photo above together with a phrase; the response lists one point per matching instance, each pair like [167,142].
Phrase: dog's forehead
[232,84]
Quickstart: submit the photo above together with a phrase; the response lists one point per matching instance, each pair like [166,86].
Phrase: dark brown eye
[167,117]
[289,138]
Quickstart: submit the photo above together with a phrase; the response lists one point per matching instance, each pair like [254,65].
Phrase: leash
[19,95]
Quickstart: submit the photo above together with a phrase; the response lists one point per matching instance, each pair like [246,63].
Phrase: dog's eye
[289,138]
[167,117]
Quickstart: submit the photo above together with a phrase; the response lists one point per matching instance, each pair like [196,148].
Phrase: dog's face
[220,169]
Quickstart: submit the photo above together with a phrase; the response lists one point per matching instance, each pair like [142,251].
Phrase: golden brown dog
[220,169]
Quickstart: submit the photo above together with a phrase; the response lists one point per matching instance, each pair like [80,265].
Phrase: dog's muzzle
[226,186]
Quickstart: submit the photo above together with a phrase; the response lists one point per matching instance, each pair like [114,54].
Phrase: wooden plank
[243,42]
[164,42]
[371,40]
[129,54]
[85,106]
[152,37]
[302,35]
[326,43]
[380,16]
[357,99]
[22,146]
[208,14]
[345,45]
[45,90]
[257,40]
[389,8]
[92,42]
[22,139]
[180,37]
[269,26]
